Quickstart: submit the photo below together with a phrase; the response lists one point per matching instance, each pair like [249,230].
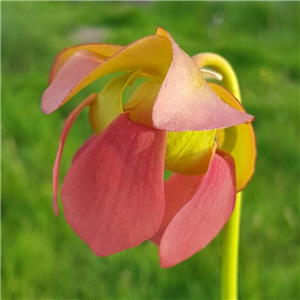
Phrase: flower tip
[55,206]
[248,119]
[252,118]
[46,106]
[43,108]
[242,117]
[162,32]
[162,263]
[159,29]
[166,263]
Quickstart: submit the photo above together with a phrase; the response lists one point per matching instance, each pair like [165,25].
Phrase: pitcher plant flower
[114,195]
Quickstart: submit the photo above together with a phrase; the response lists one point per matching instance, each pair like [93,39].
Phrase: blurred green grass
[41,257]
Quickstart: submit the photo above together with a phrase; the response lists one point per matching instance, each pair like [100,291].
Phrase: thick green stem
[230,253]
[230,249]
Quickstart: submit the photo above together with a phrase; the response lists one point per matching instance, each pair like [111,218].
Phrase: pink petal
[113,194]
[67,126]
[73,70]
[186,102]
[84,67]
[201,218]
[179,190]
[103,51]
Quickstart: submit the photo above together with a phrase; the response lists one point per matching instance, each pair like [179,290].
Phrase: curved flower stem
[221,65]
[230,253]
[229,281]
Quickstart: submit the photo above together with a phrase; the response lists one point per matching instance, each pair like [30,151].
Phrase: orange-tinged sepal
[239,141]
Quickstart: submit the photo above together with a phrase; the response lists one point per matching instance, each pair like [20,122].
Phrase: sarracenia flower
[114,195]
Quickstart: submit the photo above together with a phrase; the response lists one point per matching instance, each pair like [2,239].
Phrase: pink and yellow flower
[114,195]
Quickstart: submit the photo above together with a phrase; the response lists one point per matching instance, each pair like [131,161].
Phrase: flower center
[188,152]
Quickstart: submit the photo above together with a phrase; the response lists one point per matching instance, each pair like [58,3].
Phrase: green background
[42,258]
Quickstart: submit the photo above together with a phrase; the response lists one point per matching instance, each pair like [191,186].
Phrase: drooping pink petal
[74,69]
[201,218]
[103,51]
[186,102]
[67,126]
[83,147]
[113,194]
[179,190]
[151,55]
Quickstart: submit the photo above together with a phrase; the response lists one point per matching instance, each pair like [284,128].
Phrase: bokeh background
[41,256]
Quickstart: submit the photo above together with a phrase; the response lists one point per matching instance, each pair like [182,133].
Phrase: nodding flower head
[114,195]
